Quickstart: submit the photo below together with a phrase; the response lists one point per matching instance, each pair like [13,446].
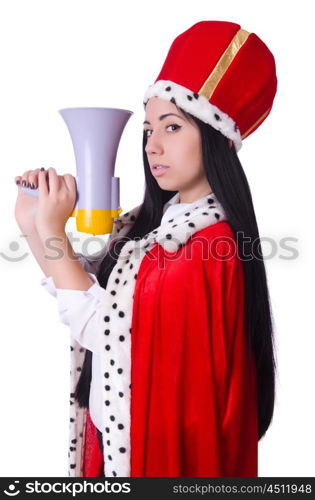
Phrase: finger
[53,181]
[42,183]
[70,183]
[62,184]
[18,179]
[33,178]
[24,178]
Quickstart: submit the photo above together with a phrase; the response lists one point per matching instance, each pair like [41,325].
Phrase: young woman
[172,361]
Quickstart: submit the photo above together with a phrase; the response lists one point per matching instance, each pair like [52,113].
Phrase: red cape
[193,386]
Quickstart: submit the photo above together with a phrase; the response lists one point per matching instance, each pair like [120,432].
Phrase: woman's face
[174,141]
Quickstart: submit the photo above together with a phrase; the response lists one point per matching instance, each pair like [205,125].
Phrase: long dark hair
[228,181]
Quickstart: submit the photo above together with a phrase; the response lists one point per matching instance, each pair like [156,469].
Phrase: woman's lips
[157,172]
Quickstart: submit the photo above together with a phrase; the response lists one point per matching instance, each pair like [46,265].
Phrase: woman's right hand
[26,205]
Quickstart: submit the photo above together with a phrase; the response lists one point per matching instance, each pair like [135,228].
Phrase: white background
[57,54]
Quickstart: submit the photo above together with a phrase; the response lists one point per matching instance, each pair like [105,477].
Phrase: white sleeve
[80,310]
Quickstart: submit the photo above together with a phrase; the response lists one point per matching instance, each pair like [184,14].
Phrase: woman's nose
[154,145]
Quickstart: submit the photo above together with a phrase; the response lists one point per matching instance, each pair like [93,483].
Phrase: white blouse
[80,310]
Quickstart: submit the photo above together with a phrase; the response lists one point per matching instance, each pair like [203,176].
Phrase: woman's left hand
[56,201]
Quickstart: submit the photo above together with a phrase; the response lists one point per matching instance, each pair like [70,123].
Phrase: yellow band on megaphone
[95,221]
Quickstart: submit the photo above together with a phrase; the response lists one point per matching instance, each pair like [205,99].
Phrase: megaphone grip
[35,193]
[32,192]
[115,193]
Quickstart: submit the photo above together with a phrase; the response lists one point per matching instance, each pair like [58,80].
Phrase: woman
[181,379]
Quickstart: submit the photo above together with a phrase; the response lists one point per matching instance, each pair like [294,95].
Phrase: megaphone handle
[35,192]
[31,192]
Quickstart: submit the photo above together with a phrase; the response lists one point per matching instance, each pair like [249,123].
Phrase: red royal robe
[193,387]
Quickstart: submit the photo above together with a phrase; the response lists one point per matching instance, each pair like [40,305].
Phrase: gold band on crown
[223,64]
[256,123]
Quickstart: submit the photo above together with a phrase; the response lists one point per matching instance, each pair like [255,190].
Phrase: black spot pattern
[119,385]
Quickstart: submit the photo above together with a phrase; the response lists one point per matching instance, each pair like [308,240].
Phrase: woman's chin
[166,184]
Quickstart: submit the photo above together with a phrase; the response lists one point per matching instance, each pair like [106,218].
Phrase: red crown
[222,74]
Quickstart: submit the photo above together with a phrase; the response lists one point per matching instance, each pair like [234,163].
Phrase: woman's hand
[56,201]
[26,205]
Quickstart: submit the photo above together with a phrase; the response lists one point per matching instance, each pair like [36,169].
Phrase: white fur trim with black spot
[77,425]
[197,105]
[115,330]
[115,334]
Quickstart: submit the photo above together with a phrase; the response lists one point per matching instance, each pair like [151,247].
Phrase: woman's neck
[193,195]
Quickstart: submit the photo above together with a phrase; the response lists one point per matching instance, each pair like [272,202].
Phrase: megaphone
[95,135]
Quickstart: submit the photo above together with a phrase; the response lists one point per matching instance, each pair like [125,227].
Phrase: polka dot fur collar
[116,329]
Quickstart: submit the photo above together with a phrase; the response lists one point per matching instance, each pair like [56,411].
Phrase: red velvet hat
[222,74]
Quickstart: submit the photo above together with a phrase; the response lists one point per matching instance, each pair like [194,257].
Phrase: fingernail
[42,168]
[23,183]
[32,186]
[17,182]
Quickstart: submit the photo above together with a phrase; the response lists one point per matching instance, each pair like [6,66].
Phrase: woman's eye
[172,125]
